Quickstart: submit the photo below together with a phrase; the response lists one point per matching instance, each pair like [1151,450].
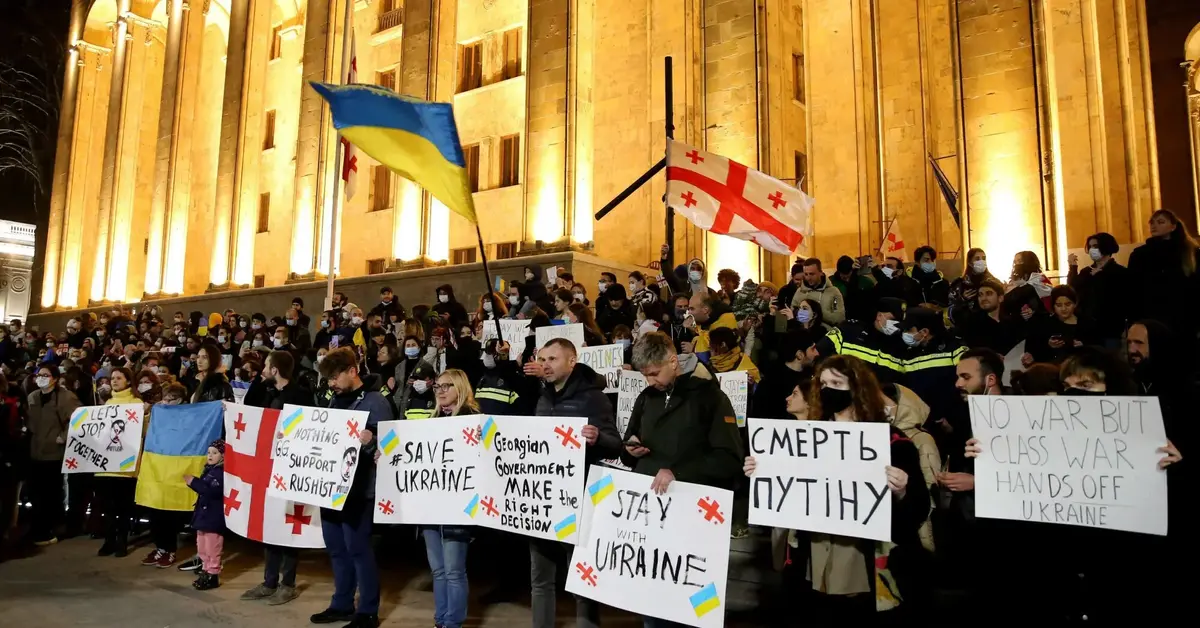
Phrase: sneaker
[363,621]
[283,595]
[740,532]
[260,592]
[207,581]
[192,564]
[331,616]
[44,542]
[151,559]
[166,560]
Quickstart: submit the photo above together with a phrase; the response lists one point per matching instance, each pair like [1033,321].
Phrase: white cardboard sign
[736,386]
[572,332]
[822,476]
[104,439]
[428,471]
[316,455]
[632,385]
[513,330]
[606,360]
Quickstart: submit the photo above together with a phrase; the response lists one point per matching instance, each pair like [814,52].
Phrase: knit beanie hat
[218,445]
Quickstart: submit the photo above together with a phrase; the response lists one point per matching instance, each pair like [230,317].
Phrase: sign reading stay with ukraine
[664,556]
[316,455]
[104,439]
[531,478]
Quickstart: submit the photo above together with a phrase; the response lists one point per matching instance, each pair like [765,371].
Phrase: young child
[208,520]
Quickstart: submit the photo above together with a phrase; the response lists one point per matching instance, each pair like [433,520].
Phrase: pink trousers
[208,546]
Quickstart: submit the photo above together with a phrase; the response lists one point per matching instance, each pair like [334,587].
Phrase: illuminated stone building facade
[193,158]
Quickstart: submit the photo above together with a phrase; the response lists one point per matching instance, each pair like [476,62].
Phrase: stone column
[112,144]
[231,142]
[416,67]
[165,148]
[312,134]
[1193,111]
[545,141]
[60,179]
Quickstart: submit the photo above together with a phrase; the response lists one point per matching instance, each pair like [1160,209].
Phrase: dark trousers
[116,496]
[45,493]
[280,561]
[165,526]
[348,543]
[81,493]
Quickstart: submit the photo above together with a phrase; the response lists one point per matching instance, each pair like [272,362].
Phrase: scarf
[123,397]
[732,361]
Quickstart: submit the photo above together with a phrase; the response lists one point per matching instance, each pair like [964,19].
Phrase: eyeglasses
[442,387]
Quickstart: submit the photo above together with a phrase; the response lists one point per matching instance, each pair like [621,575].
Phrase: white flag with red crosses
[725,197]
[349,151]
[893,243]
[249,510]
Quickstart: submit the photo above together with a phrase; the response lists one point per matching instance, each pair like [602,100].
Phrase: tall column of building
[112,155]
[165,147]
[231,145]
[416,59]
[312,133]
[443,85]
[52,269]
[545,142]
[251,181]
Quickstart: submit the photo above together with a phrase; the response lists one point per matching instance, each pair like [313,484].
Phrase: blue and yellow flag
[176,443]
[417,140]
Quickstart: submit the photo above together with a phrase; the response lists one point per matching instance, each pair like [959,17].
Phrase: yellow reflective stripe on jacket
[934,360]
[496,394]
[887,360]
[418,413]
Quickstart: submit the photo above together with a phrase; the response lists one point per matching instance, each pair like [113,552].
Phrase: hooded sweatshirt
[451,309]
[533,291]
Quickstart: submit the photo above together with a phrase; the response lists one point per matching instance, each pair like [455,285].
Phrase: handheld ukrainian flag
[418,140]
[176,443]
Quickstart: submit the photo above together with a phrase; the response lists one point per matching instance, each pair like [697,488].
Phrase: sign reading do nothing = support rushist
[1085,461]
[532,477]
[427,472]
[104,439]
[822,476]
[663,556]
[316,455]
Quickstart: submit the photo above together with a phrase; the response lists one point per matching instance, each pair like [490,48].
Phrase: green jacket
[693,432]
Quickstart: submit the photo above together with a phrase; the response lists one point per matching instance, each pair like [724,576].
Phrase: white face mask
[356,320]
[444,298]
[489,361]
[528,276]
[694,276]
[908,338]
[602,286]
[890,327]
[887,272]
[278,343]
[979,266]
[145,388]
[579,297]
[291,322]
[221,339]
[487,307]
[514,299]
[242,324]
[42,382]
[256,326]
[1095,254]
[420,386]
[256,343]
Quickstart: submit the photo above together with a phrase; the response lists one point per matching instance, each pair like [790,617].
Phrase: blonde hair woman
[454,394]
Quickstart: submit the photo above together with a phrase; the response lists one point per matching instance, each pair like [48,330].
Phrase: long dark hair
[968,261]
[868,397]
[1028,264]
[1181,241]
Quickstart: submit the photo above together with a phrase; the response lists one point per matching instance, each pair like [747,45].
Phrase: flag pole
[487,274]
[669,121]
[341,157]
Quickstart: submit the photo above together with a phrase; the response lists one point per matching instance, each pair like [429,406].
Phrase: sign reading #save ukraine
[316,455]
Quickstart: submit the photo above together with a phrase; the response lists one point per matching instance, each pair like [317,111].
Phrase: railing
[389,20]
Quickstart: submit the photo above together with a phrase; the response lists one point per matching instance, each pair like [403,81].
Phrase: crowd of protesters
[863,340]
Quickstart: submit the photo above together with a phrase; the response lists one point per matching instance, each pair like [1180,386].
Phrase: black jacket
[933,287]
[452,311]
[362,491]
[214,387]
[583,395]
[1101,296]
[295,393]
[506,390]
[899,286]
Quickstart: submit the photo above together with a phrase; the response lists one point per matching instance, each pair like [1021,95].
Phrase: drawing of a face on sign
[114,442]
[349,457]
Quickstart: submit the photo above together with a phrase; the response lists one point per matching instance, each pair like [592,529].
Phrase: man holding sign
[348,532]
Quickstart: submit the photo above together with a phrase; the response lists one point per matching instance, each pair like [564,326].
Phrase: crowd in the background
[864,339]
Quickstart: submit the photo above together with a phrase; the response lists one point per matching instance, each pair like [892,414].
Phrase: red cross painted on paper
[489,506]
[731,196]
[694,156]
[471,435]
[568,436]
[279,482]
[586,573]
[297,518]
[385,506]
[254,470]
[711,510]
[688,199]
[131,416]
[350,162]
[777,200]
[71,464]
[231,502]
[352,428]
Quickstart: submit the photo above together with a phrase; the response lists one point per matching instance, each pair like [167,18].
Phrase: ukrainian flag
[418,140]
[176,443]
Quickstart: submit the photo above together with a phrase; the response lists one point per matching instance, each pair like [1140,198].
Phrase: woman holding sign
[116,490]
[846,573]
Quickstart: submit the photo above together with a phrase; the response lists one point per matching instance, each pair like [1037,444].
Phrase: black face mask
[1080,392]
[834,400]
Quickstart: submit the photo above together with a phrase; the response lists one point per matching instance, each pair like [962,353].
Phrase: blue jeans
[446,547]
[348,543]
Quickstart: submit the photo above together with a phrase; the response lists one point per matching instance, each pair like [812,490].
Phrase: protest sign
[316,455]
[104,439]
[822,476]
[514,332]
[249,510]
[428,471]
[533,480]
[606,360]
[1085,461]
[664,556]
[572,332]
[736,386]
[632,385]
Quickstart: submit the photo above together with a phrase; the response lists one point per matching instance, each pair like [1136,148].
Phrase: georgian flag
[249,512]
[349,151]
[725,197]
[893,243]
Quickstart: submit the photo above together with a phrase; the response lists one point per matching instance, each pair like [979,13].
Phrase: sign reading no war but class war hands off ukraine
[316,455]
[531,476]
[1085,461]
[104,439]
[427,472]
[664,556]
[822,476]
